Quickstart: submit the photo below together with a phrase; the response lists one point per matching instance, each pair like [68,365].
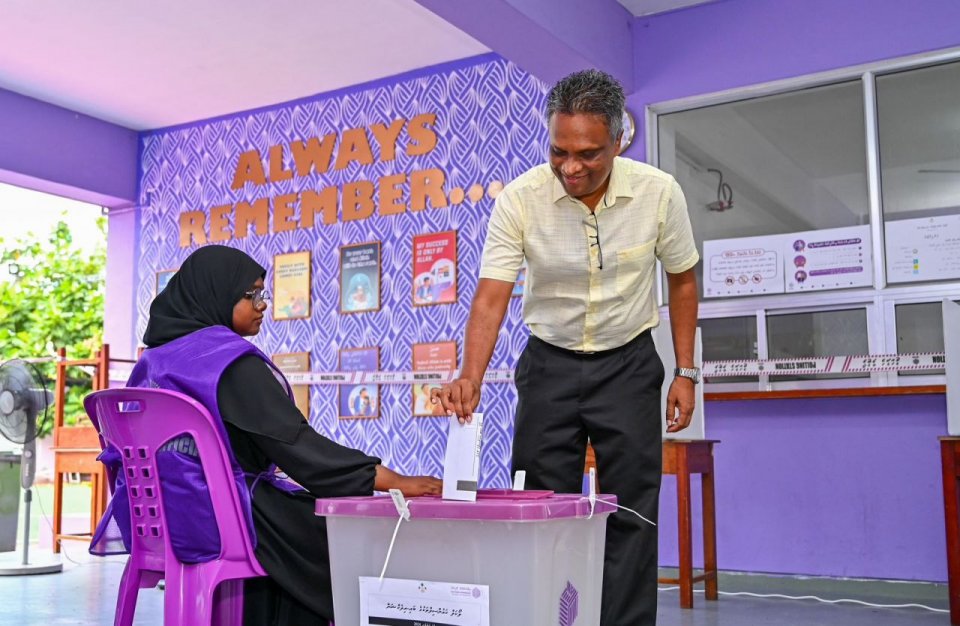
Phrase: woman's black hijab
[202,293]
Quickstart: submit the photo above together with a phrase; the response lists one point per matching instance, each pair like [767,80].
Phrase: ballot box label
[399,602]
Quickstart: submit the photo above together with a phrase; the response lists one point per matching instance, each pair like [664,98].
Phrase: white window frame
[879,300]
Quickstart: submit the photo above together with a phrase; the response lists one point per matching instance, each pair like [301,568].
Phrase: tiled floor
[85,593]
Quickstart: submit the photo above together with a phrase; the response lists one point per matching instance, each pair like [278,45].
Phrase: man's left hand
[680,400]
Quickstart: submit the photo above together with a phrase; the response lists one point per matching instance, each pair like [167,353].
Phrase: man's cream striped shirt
[568,301]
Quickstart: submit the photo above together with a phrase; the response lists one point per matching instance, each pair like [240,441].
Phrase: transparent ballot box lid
[491,505]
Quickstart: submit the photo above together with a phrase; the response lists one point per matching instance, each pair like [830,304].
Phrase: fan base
[11,564]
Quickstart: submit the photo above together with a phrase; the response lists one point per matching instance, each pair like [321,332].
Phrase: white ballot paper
[397,602]
[461,464]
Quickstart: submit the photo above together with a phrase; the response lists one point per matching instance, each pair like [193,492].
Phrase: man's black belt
[594,354]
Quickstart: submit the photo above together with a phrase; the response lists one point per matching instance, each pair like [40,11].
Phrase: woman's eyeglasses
[259,296]
[596,238]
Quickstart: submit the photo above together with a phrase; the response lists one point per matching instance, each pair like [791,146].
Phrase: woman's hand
[409,486]
[412,486]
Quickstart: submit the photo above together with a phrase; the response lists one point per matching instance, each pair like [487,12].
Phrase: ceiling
[650,7]
[150,65]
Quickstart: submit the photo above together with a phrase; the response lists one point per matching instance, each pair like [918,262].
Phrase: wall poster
[163,277]
[291,286]
[360,277]
[295,363]
[435,268]
[359,400]
[431,357]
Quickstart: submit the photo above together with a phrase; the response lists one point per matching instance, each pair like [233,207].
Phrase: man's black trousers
[612,397]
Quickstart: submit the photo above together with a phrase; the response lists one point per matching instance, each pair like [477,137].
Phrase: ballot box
[539,554]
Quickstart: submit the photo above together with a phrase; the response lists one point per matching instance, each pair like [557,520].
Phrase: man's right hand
[459,398]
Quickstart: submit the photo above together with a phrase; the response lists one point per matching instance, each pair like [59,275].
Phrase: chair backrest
[138,422]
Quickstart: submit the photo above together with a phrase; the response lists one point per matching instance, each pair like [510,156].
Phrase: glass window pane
[918,117]
[816,334]
[919,329]
[729,339]
[789,163]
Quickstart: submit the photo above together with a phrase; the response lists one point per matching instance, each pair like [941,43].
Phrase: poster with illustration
[830,258]
[359,401]
[431,357]
[745,266]
[163,277]
[296,363]
[435,268]
[360,277]
[291,286]
[520,284]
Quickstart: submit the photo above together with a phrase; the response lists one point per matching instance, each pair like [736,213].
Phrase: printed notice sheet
[396,602]
[832,258]
[742,267]
[461,464]
[926,248]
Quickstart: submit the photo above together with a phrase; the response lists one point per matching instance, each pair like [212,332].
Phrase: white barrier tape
[867,363]
[388,378]
[711,369]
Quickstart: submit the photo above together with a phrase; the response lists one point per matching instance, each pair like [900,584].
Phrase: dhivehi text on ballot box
[536,557]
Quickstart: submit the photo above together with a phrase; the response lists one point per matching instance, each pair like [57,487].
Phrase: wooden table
[683,457]
[950,459]
[75,451]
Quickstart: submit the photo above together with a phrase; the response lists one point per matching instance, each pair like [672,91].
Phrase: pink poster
[435,268]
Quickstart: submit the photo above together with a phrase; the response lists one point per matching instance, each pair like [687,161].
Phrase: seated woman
[195,346]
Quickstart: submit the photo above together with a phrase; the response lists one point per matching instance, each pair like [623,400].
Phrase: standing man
[589,225]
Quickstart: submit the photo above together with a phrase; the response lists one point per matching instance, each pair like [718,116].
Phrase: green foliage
[55,300]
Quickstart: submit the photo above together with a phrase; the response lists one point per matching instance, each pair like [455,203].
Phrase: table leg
[950,511]
[57,507]
[684,528]
[709,533]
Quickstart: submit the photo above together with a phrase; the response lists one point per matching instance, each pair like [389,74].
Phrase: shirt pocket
[635,269]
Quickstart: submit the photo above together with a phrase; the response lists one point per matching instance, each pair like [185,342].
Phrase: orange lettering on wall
[277,173]
[283,208]
[353,147]
[191,228]
[313,154]
[323,202]
[357,200]
[423,138]
[257,214]
[387,138]
[426,184]
[249,169]
[220,222]
[391,194]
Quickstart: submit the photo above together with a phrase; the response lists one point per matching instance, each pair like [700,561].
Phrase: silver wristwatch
[693,373]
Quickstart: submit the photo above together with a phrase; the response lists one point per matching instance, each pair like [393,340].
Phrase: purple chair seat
[138,422]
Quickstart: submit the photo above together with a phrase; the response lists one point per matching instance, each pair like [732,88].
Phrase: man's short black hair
[589,91]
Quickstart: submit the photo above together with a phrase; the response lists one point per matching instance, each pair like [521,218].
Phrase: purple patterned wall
[490,128]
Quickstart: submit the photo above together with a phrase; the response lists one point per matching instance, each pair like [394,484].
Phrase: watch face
[629,129]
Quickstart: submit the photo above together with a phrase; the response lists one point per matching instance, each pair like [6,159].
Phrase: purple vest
[191,365]
[194,363]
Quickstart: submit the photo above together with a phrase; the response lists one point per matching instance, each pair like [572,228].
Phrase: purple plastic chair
[137,422]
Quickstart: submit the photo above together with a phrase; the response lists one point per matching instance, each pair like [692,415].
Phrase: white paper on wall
[926,248]
[833,258]
[746,266]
